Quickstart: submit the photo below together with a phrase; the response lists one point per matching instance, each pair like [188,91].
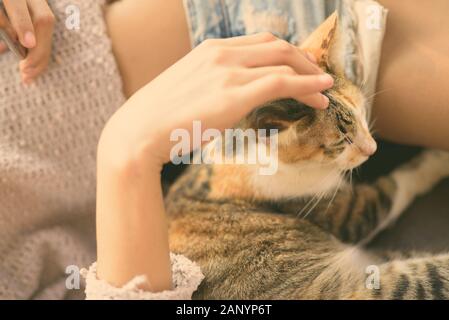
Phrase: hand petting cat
[218,83]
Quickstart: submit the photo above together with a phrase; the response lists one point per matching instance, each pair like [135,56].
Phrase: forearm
[131,225]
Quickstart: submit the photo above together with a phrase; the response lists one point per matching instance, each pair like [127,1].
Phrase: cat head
[338,136]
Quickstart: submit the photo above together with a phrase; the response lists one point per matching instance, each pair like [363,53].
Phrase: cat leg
[360,212]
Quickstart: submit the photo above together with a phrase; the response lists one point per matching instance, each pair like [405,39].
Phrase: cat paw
[435,163]
[422,173]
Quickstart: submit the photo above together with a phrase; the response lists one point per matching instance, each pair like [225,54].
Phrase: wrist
[120,155]
[126,139]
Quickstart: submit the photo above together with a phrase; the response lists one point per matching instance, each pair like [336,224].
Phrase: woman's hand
[218,83]
[31,22]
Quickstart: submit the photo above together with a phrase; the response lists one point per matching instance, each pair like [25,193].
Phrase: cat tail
[356,274]
[420,278]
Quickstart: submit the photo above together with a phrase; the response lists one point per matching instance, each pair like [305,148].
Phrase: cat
[301,233]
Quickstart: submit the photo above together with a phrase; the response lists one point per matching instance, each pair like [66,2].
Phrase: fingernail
[325,101]
[30,40]
[326,80]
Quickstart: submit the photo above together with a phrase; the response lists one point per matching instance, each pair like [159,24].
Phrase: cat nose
[368,147]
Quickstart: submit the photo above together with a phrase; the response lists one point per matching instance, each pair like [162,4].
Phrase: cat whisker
[335,192]
[310,205]
[315,197]
[350,176]
[371,126]
[378,93]
[299,214]
[341,179]
[321,164]
[362,84]
[316,203]
[371,98]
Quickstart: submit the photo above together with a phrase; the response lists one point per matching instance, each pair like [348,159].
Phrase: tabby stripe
[344,227]
[401,288]
[375,215]
[377,293]
[370,216]
[420,292]
[435,282]
[385,199]
[359,230]
[204,189]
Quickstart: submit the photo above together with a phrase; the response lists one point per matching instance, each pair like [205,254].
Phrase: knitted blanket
[48,139]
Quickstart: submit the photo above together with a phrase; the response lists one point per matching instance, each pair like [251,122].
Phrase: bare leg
[147,38]
[413,104]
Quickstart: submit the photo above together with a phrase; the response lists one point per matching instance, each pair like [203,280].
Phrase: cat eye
[344,132]
[338,144]
[342,129]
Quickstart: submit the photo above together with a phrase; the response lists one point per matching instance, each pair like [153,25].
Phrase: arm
[132,228]
[132,231]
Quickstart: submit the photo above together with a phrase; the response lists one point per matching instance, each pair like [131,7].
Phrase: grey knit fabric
[48,138]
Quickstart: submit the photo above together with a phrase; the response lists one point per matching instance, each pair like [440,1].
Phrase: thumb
[20,18]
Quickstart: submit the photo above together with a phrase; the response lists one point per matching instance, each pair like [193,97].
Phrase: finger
[3,47]
[301,88]
[38,57]
[263,37]
[20,18]
[246,75]
[311,57]
[274,53]
[6,25]
[316,100]
[30,74]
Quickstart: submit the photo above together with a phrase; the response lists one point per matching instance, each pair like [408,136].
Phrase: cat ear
[279,115]
[325,43]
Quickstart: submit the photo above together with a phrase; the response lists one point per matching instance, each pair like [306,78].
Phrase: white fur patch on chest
[297,181]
